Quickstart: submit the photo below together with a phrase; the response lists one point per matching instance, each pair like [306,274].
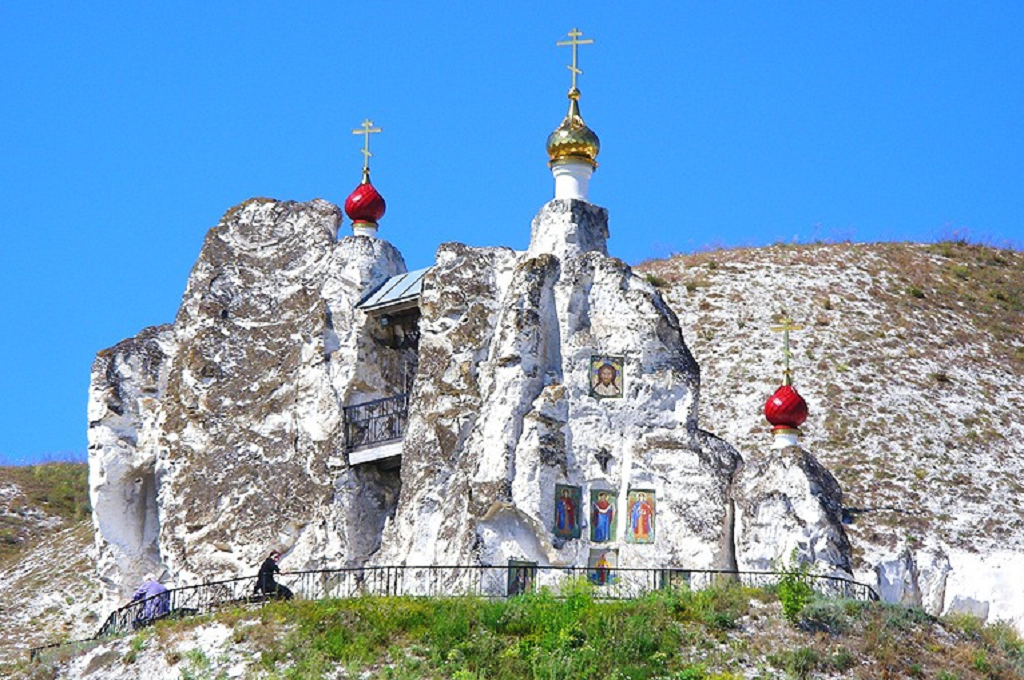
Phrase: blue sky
[128,129]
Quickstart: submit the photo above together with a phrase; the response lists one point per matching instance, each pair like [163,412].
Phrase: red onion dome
[786,409]
[365,204]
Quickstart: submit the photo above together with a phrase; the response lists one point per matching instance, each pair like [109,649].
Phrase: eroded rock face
[239,463]
[127,385]
[502,410]
[234,417]
[788,505]
[229,417]
[567,228]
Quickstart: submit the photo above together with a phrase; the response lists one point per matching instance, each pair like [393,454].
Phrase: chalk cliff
[224,435]
[210,440]
[502,410]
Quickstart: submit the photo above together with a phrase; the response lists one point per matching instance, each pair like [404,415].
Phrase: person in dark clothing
[265,582]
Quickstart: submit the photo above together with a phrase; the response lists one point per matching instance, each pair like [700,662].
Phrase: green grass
[55,489]
[540,635]
[667,635]
[721,633]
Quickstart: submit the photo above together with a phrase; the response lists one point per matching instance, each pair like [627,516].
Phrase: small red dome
[365,204]
[786,409]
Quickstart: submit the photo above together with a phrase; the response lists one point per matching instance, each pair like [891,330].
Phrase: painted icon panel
[671,579]
[568,505]
[606,378]
[521,577]
[601,566]
[603,522]
[640,511]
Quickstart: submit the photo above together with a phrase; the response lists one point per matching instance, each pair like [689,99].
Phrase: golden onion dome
[573,140]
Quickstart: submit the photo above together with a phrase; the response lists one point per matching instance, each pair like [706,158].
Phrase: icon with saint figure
[521,577]
[601,566]
[602,515]
[640,516]
[568,504]
[606,379]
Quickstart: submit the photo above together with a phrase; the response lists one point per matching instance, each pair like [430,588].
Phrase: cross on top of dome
[365,206]
[575,44]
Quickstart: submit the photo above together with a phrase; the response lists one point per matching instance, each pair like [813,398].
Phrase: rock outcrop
[548,383]
[503,412]
[126,392]
[788,506]
[209,441]
[911,361]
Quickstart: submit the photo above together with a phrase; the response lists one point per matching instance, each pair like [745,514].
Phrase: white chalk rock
[127,385]
[235,418]
[788,505]
[230,417]
[502,410]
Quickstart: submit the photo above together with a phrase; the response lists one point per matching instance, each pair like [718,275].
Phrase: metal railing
[499,581]
[376,422]
[180,602]
[448,581]
[443,581]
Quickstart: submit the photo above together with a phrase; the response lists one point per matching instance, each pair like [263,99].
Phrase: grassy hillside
[46,574]
[37,498]
[726,633]
[911,360]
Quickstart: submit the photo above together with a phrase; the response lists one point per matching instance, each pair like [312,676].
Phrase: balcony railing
[376,422]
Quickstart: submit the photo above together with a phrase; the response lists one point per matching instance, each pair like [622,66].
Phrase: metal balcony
[378,424]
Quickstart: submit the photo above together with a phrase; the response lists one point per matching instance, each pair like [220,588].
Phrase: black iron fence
[376,422]
[503,581]
[180,602]
[447,581]
[444,581]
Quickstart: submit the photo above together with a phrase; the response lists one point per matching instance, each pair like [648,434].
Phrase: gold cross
[575,42]
[366,131]
[785,326]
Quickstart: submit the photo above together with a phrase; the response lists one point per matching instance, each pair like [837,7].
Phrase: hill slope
[727,633]
[47,573]
[912,362]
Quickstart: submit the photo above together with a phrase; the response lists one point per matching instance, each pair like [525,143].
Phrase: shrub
[794,590]
[843,660]
[832,616]
[695,672]
[799,663]
[657,281]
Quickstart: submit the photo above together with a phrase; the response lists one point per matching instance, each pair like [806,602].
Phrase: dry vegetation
[912,362]
[46,574]
[36,498]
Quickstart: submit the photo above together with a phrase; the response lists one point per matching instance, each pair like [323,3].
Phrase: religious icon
[640,511]
[602,515]
[568,503]
[671,579]
[521,576]
[606,377]
[601,566]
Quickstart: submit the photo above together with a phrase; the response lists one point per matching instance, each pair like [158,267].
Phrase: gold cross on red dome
[575,43]
[366,131]
[785,326]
